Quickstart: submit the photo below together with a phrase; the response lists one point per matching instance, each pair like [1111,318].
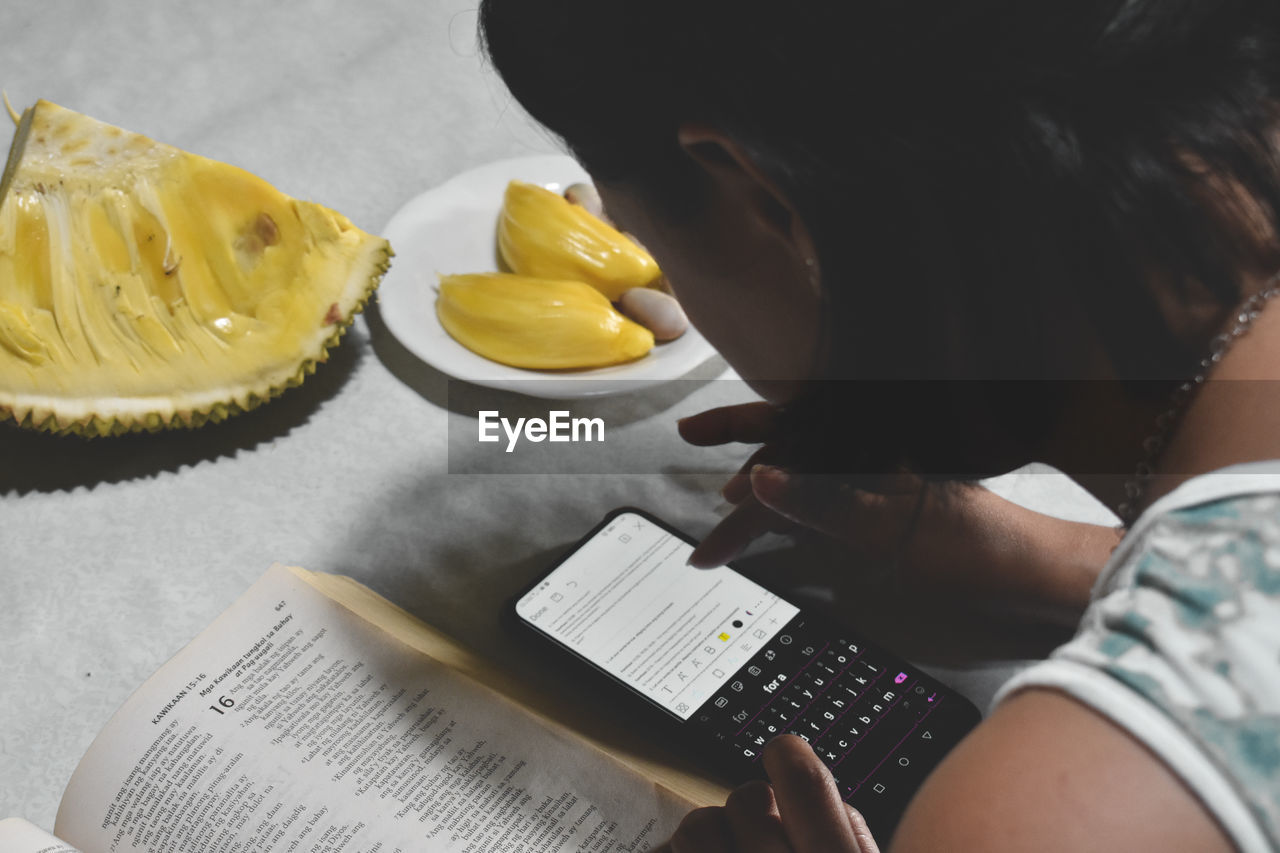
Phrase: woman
[942,240]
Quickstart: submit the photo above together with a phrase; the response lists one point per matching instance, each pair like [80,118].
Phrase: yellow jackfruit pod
[540,234]
[537,323]
[144,287]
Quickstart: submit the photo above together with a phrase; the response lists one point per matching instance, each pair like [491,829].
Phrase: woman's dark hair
[961,165]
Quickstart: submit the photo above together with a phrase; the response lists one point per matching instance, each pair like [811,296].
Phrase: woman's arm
[1048,774]
[965,541]
[975,544]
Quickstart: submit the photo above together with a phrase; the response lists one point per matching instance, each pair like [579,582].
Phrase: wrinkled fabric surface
[114,553]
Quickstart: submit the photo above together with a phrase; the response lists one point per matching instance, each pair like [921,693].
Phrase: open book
[313,715]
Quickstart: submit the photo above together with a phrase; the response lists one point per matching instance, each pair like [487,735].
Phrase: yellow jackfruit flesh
[542,235]
[537,323]
[143,287]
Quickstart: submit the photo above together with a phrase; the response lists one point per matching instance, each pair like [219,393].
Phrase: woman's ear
[733,174]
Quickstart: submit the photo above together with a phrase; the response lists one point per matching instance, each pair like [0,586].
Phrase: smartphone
[723,665]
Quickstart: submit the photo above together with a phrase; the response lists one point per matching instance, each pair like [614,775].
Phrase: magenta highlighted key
[902,676]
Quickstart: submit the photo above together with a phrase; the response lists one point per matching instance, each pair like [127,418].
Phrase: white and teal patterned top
[1181,645]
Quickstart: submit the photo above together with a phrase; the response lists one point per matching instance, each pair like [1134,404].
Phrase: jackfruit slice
[543,235]
[144,287]
[537,323]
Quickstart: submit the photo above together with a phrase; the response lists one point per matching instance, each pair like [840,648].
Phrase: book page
[19,836]
[292,724]
[626,738]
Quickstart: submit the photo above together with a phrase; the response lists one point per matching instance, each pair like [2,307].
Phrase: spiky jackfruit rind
[144,418]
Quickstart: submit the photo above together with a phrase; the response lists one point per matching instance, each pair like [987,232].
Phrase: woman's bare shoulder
[1046,773]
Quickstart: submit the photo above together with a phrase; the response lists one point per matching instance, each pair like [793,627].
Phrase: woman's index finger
[748,521]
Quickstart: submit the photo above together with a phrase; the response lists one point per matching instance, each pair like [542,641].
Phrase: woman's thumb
[829,505]
[795,498]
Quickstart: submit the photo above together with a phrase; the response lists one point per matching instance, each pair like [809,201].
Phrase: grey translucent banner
[940,428]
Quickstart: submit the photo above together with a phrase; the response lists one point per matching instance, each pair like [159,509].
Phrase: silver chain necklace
[1155,443]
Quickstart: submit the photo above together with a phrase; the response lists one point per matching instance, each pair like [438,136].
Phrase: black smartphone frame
[962,714]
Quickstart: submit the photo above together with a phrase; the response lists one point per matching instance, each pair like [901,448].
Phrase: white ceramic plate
[451,229]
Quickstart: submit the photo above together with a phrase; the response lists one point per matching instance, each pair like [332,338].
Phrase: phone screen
[628,602]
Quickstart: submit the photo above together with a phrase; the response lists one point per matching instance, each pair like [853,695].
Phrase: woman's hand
[961,540]
[873,520]
[799,812]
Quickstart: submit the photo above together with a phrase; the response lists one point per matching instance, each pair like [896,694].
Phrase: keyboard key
[848,689]
[828,755]
[835,741]
[839,701]
[852,727]
[806,693]
[857,679]
[837,658]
